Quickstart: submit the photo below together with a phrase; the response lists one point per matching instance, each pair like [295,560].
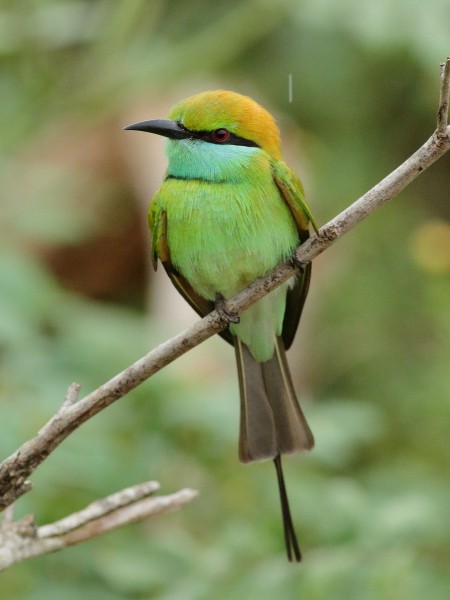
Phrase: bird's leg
[227,315]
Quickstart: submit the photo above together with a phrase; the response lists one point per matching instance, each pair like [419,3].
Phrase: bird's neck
[190,159]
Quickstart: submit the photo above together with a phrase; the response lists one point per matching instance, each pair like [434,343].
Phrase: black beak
[165,127]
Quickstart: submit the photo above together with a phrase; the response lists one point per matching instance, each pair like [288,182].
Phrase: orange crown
[239,114]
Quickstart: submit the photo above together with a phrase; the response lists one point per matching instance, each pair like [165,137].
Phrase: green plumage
[228,212]
[226,227]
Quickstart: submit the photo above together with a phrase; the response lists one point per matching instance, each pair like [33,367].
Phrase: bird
[230,210]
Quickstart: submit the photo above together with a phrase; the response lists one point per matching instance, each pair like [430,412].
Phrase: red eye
[220,135]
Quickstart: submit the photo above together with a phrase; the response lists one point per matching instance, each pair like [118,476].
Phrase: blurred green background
[78,301]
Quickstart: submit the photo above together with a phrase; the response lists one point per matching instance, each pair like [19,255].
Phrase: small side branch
[23,539]
[71,395]
[442,118]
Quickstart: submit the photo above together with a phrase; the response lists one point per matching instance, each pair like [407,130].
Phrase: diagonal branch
[23,539]
[15,470]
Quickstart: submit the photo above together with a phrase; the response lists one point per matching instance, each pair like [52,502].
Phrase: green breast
[225,232]
[222,236]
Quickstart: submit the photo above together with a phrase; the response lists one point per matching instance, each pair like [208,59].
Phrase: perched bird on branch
[230,210]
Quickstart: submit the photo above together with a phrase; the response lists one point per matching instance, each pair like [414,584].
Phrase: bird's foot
[298,264]
[227,315]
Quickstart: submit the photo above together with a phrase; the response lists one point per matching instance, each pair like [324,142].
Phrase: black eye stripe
[233,140]
[239,141]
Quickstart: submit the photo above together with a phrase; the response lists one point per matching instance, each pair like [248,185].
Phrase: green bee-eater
[230,210]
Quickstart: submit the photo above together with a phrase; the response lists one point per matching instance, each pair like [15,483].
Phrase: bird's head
[219,117]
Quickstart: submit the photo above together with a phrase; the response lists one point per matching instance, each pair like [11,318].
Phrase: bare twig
[442,118]
[99,508]
[23,539]
[71,395]
[98,517]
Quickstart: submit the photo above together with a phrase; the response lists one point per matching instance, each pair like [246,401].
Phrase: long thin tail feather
[272,422]
[290,537]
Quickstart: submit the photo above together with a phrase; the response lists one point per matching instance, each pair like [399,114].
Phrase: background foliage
[78,302]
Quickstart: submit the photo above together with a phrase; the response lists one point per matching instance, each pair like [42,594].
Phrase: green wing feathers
[292,191]
[157,222]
